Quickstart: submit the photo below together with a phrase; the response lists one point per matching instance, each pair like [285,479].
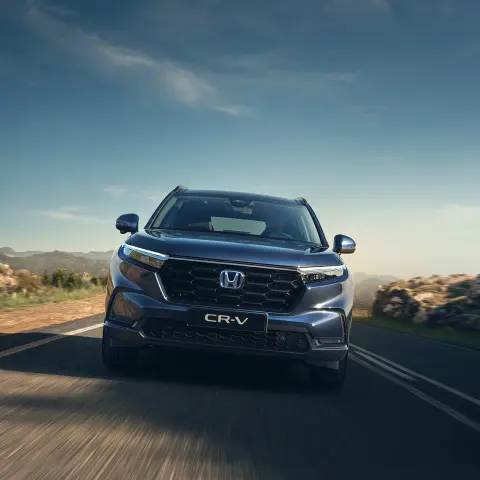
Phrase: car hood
[234,248]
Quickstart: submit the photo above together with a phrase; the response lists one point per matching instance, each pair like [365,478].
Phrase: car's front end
[228,293]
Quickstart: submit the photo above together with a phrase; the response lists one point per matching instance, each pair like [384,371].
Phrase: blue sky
[368,108]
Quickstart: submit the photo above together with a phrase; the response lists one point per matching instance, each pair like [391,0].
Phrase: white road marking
[386,367]
[44,341]
[427,398]
[469,398]
[85,329]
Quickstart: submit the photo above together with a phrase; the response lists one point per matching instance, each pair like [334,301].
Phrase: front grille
[293,342]
[197,283]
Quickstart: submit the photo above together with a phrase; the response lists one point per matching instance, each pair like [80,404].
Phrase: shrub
[59,277]
[73,282]
[46,279]
[27,281]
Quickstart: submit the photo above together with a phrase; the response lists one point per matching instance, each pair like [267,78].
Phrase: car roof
[239,196]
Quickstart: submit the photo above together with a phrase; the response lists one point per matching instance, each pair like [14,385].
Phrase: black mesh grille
[197,283]
[272,341]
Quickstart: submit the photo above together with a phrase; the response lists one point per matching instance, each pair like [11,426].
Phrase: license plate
[228,319]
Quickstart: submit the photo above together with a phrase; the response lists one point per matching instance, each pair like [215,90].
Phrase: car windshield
[226,215]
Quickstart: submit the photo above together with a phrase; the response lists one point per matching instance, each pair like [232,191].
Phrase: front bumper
[323,333]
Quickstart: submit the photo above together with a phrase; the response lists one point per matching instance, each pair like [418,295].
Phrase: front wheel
[117,357]
[328,378]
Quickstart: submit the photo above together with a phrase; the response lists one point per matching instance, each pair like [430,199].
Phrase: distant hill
[105,256]
[49,261]
[366,287]
[12,253]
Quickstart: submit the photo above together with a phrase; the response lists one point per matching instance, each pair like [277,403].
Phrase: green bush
[59,277]
[99,281]
[46,279]
[73,282]
[70,281]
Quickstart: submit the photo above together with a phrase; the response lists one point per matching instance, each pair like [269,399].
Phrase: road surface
[409,409]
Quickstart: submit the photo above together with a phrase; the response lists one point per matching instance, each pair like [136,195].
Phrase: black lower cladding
[179,332]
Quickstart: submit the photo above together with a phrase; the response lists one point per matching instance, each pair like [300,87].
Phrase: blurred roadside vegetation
[22,288]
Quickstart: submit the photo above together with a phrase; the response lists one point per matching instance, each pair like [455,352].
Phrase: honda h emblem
[231,279]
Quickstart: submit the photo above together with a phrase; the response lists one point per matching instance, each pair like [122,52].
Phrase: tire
[118,358]
[328,379]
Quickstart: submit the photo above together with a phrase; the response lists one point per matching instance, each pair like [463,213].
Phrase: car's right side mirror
[343,244]
[127,223]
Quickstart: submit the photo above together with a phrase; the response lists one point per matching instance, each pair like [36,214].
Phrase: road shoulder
[35,317]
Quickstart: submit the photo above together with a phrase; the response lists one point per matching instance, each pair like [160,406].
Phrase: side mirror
[343,244]
[127,223]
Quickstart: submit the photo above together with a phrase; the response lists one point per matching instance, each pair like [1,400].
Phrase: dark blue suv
[231,272]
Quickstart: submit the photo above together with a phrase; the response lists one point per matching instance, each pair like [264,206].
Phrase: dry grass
[52,295]
[361,313]
[31,317]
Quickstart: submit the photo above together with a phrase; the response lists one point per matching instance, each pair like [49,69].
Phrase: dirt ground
[30,318]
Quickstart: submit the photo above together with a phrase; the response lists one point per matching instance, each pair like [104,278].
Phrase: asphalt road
[63,416]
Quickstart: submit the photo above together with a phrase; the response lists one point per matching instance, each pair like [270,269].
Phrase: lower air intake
[293,342]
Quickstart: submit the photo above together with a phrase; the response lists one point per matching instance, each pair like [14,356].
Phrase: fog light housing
[324,341]
[124,311]
[122,320]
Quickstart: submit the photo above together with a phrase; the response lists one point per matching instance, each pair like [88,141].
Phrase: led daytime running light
[147,257]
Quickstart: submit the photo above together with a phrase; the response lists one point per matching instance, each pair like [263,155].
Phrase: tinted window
[227,215]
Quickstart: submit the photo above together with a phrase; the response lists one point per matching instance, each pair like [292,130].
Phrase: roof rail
[301,200]
[179,187]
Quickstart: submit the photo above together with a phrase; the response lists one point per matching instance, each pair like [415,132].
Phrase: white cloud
[185,86]
[457,212]
[235,110]
[70,208]
[177,82]
[67,213]
[115,191]
[156,198]
[276,70]
[239,75]
[369,114]
[344,77]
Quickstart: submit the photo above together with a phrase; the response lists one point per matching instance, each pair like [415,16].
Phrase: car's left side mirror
[127,223]
[343,244]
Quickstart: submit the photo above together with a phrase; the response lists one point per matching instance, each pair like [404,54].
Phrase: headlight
[323,274]
[146,257]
